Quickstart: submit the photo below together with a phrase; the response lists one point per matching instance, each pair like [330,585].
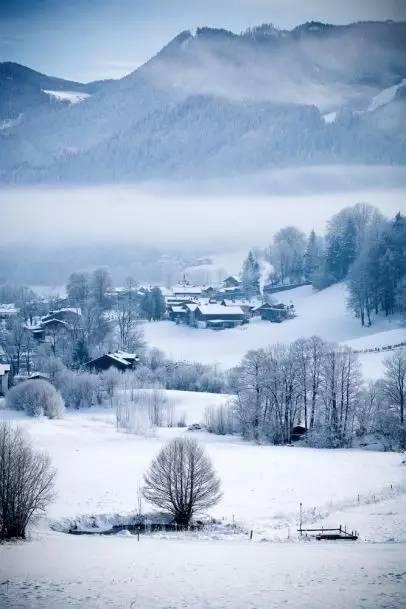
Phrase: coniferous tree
[312,255]
[251,275]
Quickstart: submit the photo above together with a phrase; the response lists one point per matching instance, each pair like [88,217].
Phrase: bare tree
[26,482]
[181,480]
[395,388]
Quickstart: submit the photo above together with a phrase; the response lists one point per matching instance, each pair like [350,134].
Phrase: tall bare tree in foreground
[181,480]
[26,482]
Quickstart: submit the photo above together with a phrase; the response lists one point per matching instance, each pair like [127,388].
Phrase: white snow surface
[330,117]
[323,313]
[385,96]
[59,571]
[103,466]
[98,471]
[73,97]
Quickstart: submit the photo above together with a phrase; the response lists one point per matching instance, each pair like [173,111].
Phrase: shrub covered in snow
[79,389]
[36,398]
[141,410]
[220,420]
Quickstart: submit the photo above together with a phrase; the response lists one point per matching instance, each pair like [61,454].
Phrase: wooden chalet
[217,316]
[120,360]
[275,313]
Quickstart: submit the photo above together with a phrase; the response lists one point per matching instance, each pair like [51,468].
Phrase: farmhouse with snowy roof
[274,312]
[217,316]
[120,360]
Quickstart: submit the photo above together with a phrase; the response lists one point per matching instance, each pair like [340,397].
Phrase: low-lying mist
[148,230]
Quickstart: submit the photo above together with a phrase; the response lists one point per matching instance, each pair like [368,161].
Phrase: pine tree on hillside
[311,259]
[250,275]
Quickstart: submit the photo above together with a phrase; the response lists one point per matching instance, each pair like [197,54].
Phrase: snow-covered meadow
[323,313]
[99,469]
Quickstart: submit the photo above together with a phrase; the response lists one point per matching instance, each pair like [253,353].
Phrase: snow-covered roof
[54,320]
[191,307]
[238,303]
[75,310]
[227,290]
[187,290]
[126,355]
[214,309]
[8,309]
[179,309]
[118,358]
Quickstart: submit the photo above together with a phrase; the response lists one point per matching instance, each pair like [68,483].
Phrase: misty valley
[202,306]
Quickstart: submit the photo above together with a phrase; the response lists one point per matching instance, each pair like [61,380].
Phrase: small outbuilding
[297,433]
[4,378]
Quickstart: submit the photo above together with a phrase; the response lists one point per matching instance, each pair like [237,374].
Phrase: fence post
[300,517]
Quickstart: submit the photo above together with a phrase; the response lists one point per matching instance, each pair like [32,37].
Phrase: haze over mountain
[214,103]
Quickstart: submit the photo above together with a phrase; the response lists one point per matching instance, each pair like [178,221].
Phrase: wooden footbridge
[331,534]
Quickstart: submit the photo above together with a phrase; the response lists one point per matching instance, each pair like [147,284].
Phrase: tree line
[319,386]
[360,246]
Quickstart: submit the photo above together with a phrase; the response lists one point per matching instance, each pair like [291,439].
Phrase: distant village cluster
[224,307]
[67,327]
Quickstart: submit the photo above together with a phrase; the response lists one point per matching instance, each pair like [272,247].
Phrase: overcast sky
[94,39]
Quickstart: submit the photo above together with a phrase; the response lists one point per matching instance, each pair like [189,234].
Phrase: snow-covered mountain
[212,103]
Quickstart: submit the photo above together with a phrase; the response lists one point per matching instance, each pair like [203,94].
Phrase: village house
[275,313]
[231,282]
[58,320]
[217,316]
[181,313]
[245,305]
[8,310]
[234,293]
[187,291]
[69,315]
[120,360]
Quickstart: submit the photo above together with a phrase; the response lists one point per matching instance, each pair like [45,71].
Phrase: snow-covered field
[120,573]
[318,313]
[98,471]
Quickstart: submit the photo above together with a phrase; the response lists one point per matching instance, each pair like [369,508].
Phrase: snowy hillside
[71,97]
[324,314]
[386,96]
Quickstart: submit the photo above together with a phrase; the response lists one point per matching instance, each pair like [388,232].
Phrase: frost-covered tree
[126,314]
[288,250]
[99,285]
[250,276]
[78,289]
[312,256]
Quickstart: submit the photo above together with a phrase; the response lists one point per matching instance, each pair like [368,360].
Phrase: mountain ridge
[333,69]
